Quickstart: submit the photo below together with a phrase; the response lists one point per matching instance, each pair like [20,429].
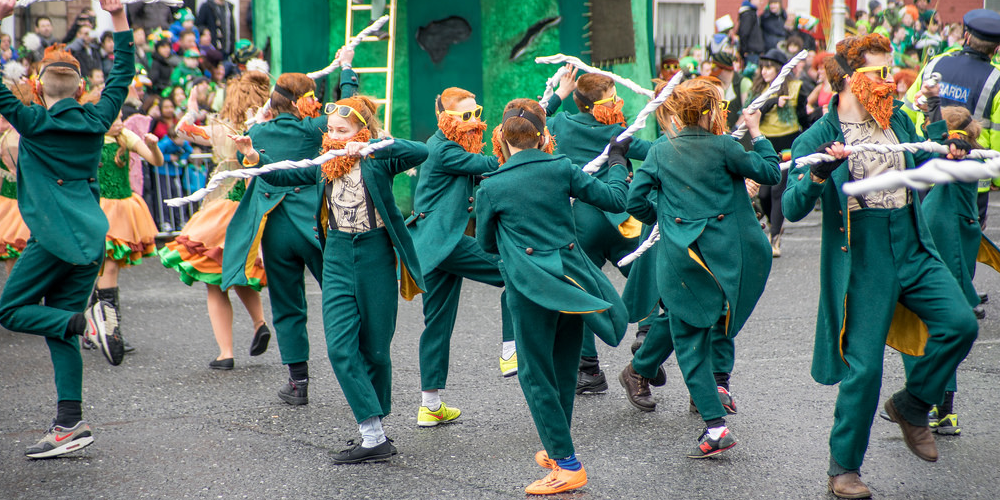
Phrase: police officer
[968,79]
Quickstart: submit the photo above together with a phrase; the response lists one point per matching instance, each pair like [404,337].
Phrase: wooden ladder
[386,101]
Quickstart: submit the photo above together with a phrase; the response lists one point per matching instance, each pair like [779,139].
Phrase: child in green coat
[59,201]
[524,214]
[713,259]
[360,232]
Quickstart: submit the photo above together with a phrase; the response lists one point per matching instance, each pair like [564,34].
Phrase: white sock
[716,432]
[372,434]
[508,349]
[431,399]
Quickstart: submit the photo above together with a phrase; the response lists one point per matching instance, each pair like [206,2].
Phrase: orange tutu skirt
[14,233]
[131,232]
[196,253]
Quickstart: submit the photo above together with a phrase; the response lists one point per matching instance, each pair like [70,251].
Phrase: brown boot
[917,438]
[848,485]
[637,389]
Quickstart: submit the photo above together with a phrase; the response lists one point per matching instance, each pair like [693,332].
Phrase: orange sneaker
[542,458]
[558,481]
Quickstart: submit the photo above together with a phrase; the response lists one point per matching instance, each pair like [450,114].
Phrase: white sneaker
[102,330]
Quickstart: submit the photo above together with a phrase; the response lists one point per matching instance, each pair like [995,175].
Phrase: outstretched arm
[123,70]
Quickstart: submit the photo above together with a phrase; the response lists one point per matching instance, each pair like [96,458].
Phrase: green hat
[192,53]
[184,15]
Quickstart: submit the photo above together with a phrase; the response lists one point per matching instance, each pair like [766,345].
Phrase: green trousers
[889,265]
[659,345]
[701,353]
[910,361]
[359,317]
[287,254]
[602,242]
[548,355]
[42,293]
[444,287]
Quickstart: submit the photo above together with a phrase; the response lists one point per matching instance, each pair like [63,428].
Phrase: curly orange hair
[853,49]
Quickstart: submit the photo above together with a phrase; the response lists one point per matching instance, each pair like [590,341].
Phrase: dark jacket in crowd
[159,72]
[749,32]
[773,27]
[149,16]
[219,20]
[88,54]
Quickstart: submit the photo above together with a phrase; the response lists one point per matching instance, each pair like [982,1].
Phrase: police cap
[984,24]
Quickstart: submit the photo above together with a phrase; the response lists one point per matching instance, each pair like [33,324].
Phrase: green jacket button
[422,215]
[529,250]
[677,220]
[471,199]
[571,245]
[91,179]
[843,248]
[721,216]
[470,209]
[841,229]
[59,182]
[267,195]
[297,190]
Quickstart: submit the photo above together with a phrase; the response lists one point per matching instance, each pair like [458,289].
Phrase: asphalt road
[168,427]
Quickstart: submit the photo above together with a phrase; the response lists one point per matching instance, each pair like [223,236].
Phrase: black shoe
[984,298]
[221,364]
[357,453]
[640,337]
[295,392]
[591,382]
[979,311]
[660,379]
[260,339]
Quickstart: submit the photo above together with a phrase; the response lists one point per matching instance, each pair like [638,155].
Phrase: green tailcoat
[523,213]
[828,366]
[712,257]
[283,138]
[57,189]
[444,198]
[953,218]
[582,138]
[377,172]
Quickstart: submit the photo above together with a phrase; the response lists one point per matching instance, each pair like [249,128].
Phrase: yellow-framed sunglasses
[343,111]
[613,98]
[723,106]
[883,71]
[466,115]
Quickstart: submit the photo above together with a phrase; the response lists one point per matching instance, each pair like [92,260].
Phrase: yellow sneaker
[443,415]
[558,481]
[509,366]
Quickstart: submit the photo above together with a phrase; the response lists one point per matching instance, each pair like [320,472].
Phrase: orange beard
[469,135]
[340,165]
[875,97]
[501,152]
[612,115]
[308,107]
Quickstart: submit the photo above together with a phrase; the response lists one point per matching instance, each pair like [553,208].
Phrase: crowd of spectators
[178,55]
[915,31]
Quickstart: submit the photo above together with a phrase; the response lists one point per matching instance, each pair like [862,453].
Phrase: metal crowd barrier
[193,175]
